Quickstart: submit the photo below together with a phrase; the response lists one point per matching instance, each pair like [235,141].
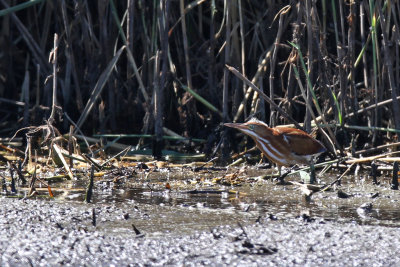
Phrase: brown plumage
[281,145]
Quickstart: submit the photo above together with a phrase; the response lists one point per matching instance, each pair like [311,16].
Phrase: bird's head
[253,127]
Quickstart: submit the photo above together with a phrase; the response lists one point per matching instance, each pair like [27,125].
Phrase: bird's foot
[281,178]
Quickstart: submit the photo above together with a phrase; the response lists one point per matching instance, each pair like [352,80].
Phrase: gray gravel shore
[48,233]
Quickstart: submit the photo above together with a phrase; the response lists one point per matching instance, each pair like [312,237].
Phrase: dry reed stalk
[310,70]
[261,69]
[390,72]
[273,62]
[130,32]
[158,114]
[25,93]
[226,82]
[185,45]
[364,56]
[30,41]
[53,59]
[263,95]
[255,43]
[351,19]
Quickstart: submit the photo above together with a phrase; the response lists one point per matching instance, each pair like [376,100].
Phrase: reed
[139,67]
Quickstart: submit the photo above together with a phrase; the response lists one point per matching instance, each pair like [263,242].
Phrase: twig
[338,179]
[117,155]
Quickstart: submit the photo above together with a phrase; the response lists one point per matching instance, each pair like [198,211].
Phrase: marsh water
[192,202]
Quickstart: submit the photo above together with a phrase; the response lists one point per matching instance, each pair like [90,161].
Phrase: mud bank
[38,232]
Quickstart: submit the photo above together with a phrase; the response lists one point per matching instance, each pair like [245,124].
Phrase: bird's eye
[251,127]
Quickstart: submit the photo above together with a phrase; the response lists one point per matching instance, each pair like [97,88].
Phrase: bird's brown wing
[300,142]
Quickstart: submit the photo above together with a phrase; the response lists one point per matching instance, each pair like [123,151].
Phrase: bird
[283,146]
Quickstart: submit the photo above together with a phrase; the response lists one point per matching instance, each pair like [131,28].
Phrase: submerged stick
[10,169]
[89,191]
[94,217]
[3,184]
[19,172]
[395,178]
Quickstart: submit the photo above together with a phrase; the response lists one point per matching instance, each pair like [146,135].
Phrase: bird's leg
[312,173]
[282,176]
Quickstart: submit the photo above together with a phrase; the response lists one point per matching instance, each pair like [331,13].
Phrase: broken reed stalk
[79,130]
[89,191]
[374,172]
[58,151]
[33,180]
[373,106]
[378,148]
[53,59]
[70,146]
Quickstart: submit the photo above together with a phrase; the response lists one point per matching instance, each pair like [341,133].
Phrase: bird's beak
[239,126]
[243,127]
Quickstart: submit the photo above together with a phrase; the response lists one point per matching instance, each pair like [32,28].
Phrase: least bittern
[281,145]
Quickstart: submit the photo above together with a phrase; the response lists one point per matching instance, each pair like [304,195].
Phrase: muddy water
[193,204]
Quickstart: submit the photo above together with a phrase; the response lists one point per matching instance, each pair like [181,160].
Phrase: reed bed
[180,68]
